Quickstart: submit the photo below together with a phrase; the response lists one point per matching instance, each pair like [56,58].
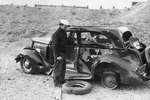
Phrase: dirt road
[15,85]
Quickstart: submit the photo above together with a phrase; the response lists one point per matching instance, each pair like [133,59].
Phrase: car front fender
[32,53]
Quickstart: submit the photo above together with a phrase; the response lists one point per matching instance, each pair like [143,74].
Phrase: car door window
[87,38]
[96,38]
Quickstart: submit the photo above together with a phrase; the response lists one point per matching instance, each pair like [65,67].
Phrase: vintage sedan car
[97,53]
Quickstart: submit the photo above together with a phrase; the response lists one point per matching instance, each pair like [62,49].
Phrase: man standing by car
[59,40]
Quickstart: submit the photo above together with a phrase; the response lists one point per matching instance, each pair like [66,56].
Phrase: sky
[93,4]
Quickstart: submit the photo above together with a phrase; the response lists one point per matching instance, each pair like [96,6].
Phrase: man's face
[64,27]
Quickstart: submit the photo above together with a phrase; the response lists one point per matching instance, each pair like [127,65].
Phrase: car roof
[110,30]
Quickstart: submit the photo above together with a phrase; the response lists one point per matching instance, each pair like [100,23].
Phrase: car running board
[70,75]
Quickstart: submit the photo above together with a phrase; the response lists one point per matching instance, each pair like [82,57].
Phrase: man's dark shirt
[59,39]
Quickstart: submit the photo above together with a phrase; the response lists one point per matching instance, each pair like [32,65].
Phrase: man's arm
[55,43]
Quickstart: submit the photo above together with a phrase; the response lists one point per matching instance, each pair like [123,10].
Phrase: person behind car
[59,40]
[144,52]
[130,40]
[134,43]
[125,34]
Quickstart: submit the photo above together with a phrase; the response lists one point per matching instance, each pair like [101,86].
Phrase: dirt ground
[15,85]
[19,24]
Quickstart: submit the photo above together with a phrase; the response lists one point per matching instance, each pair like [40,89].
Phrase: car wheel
[26,66]
[77,87]
[110,80]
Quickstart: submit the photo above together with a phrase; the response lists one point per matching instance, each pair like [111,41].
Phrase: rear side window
[95,38]
[102,39]
[86,37]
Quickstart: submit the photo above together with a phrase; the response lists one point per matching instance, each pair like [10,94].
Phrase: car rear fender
[116,64]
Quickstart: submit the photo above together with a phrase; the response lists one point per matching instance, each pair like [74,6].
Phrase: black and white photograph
[74,49]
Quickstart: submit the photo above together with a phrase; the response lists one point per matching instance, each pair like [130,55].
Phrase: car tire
[26,66]
[77,87]
[110,80]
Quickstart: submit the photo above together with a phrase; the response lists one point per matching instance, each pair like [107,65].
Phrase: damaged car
[95,53]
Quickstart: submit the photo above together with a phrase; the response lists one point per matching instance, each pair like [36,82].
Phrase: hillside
[17,22]
[137,14]
[138,19]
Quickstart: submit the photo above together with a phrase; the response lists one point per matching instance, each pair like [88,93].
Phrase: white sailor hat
[123,29]
[64,22]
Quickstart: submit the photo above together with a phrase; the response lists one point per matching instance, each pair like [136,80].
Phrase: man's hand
[59,58]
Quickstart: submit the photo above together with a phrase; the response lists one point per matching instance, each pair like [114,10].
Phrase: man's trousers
[60,70]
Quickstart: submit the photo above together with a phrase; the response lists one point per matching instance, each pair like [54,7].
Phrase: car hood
[44,40]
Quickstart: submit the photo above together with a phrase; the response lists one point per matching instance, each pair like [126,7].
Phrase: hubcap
[110,82]
[27,64]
